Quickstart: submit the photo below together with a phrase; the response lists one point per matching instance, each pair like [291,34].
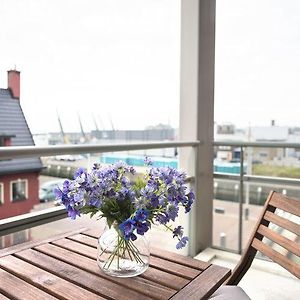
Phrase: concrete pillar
[197,112]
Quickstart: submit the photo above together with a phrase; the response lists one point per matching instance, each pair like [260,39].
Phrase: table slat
[2,297]
[139,284]
[16,288]
[46,281]
[94,232]
[178,258]
[167,255]
[204,285]
[80,277]
[173,268]
[153,274]
[29,244]
[85,239]
[77,247]
[155,262]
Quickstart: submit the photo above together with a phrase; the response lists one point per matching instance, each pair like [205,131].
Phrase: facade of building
[18,177]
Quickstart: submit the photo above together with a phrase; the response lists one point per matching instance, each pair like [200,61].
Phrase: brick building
[18,177]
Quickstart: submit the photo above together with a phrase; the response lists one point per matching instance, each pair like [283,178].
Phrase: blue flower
[140,218]
[188,203]
[154,201]
[162,218]
[58,193]
[141,215]
[66,185]
[172,211]
[72,212]
[178,232]
[127,228]
[79,172]
[79,196]
[95,202]
[182,242]
[142,227]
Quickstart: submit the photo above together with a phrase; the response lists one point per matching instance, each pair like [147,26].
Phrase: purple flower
[172,211]
[178,231]
[66,185]
[140,218]
[93,180]
[142,227]
[58,193]
[162,218]
[79,172]
[188,203]
[79,196]
[72,212]
[127,228]
[95,202]
[182,242]
[154,201]
[141,215]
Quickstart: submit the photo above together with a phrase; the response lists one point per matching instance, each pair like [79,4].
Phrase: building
[18,177]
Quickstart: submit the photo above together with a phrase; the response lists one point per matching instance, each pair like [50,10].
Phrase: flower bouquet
[130,204]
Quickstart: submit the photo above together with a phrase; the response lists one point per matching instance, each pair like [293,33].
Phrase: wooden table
[65,267]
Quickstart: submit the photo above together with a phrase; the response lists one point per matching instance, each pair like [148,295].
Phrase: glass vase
[119,257]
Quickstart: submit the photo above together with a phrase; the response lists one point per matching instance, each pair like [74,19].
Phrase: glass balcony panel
[226,214]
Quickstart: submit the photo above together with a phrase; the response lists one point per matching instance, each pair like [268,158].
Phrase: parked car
[69,157]
[46,190]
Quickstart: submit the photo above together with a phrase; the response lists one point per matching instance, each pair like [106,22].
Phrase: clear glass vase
[119,257]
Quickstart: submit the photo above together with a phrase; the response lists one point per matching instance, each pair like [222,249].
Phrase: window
[19,190]
[1,193]
[6,140]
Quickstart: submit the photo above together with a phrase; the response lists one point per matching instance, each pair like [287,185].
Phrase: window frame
[26,189]
[1,193]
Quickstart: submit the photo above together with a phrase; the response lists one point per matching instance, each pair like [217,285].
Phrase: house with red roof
[19,183]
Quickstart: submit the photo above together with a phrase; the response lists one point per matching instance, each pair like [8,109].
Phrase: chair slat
[261,229]
[282,222]
[279,239]
[277,257]
[287,204]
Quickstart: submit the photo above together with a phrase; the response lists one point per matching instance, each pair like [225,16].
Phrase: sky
[117,63]
[258,62]
[107,60]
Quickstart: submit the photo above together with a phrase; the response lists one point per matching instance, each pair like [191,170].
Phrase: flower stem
[119,251]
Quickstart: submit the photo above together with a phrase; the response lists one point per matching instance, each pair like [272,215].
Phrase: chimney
[13,83]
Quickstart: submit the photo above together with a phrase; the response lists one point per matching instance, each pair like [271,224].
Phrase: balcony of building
[234,213]
[227,206]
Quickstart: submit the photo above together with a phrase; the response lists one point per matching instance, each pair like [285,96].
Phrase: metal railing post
[240,233]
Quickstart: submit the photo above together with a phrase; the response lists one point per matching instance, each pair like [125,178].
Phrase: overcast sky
[118,61]
[258,62]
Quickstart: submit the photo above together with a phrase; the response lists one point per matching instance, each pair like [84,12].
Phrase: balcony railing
[242,177]
[29,220]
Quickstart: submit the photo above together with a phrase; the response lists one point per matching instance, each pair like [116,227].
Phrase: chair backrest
[262,229]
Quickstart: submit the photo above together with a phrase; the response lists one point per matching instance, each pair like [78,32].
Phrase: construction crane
[83,134]
[63,134]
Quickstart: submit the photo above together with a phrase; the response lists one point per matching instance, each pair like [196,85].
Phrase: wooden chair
[262,229]
[275,201]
